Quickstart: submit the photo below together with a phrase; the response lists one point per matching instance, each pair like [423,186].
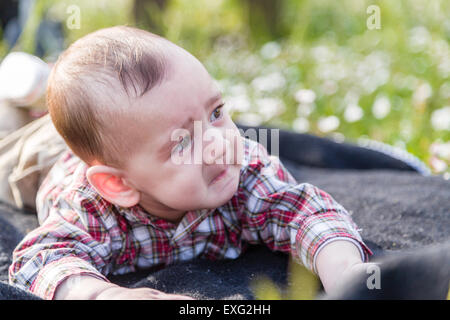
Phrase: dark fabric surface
[317,152]
[397,208]
[422,273]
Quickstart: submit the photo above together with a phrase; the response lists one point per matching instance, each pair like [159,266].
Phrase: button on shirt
[82,233]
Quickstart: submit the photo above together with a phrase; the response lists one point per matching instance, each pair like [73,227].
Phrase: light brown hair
[86,79]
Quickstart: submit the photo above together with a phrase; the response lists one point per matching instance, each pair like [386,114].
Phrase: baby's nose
[215,147]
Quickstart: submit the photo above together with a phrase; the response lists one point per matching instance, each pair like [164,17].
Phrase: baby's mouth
[220,176]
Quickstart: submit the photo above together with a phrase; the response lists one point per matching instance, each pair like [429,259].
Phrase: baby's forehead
[154,126]
[170,103]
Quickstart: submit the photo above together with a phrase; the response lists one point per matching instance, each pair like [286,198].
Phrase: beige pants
[26,156]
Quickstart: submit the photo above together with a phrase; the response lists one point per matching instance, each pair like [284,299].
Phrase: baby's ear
[110,184]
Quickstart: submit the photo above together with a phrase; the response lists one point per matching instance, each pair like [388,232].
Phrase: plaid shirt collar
[189,221]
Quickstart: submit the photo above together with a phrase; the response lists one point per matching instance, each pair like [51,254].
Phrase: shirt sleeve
[68,243]
[290,217]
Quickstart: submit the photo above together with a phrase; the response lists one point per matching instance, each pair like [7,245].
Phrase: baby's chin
[216,195]
[222,191]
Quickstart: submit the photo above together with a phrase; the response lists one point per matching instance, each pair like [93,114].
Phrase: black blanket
[405,217]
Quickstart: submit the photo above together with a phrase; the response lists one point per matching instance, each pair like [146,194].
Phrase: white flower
[338,137]
[353,113]
[221,84]
[248,64]
[322,53]
[238,89]
[328,124]
[422,93]
[438,165]
[440,119]
[305,109]
[269,82]
[381,107]
[400,144]
[329,87]
[406,129]
[250,119]
[239,103]
[373,71]
[270,50]
[444,67]
[405,82]
[444,90]
[305,96]
[294,53]
[441,150]
[331,71]
[419,37]
[269,107]
[301,125]
[352,97]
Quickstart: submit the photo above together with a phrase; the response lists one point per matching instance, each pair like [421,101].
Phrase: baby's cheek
[190,186]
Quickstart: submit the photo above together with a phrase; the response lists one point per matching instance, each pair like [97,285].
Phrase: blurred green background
[341,69]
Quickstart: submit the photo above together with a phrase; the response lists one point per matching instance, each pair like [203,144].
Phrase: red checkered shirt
[82,233]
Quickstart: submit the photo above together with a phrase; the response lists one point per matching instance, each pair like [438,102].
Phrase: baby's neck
[169,214]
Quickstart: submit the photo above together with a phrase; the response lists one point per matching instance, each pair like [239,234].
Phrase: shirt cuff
[318,230]
[56,272]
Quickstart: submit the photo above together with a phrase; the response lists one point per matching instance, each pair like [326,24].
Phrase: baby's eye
[216,114]
[183,144]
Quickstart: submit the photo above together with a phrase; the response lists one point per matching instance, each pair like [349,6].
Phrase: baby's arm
[300,219]
[335,262]
[62,260]
[84,287]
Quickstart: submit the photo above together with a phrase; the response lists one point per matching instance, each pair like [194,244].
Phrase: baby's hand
[337,262]
[119,293]
[354,271]
[84,287]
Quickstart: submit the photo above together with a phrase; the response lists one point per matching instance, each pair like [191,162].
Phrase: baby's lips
[218,172]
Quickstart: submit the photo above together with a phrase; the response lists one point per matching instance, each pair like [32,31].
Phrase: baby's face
[191,153]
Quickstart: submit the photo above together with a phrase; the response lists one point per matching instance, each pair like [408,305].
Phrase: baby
[157,173]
